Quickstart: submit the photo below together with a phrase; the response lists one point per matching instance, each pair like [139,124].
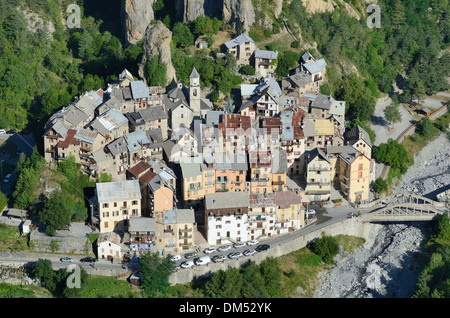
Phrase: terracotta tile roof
[284,199]
[146,177]
[139,168]
[70,139]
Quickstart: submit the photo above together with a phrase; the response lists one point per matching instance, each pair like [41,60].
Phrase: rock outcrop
[233,12]
[239,12]
[156,42]
[136,15]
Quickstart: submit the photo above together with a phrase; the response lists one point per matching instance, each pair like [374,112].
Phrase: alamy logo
[74,279]
[374,19]
[73,20]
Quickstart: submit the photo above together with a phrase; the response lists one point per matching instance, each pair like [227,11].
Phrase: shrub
[326,247]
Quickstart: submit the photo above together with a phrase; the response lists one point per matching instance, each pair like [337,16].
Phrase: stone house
[265,63]
[242,48]
[318,175]
[290,212]
[175,232]
[117,202]
[261,216]
[109,247]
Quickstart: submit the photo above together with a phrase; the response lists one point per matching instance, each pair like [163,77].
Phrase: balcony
[319,169]
[318,183]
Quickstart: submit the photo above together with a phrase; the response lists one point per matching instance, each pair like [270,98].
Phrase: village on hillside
[180,165]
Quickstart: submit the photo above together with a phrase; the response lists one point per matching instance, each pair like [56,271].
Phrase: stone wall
[64,244]
[352,227]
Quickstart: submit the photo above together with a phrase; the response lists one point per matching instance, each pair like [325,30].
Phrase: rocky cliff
[136,15]
[156,42]
[239,12]
[234,12]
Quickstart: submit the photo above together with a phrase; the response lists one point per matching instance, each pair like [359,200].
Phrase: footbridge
[401,208]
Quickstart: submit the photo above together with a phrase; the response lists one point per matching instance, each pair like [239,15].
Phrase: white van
[203,260]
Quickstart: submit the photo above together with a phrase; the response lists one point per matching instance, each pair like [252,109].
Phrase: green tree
[326,247]
[380,185]
[224,284]
[155,272]
[182,35]
[55,214]
[425,127]
[271,271]
[253,282]
[156,72]
[392,114]
[247,70]
[44,272]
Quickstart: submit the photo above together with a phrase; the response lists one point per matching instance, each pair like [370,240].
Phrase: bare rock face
[234,12]
[239,12]
[156,41]
[136,16]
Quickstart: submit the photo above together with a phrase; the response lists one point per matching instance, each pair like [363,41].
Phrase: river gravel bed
[384,267]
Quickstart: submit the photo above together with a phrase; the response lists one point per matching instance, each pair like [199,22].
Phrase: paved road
[324,217]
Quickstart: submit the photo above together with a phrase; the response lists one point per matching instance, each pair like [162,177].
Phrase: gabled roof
[315,66]
[139,168]
[179,103]
[321,101]
[227,200]
[357,133]
[108,121]
[136,139]
[153,113]
[118,191]
[264,54]
[284,199]
[139,89]
[240,39]
[317,152]
[70,139]
[118,146]
[86,135]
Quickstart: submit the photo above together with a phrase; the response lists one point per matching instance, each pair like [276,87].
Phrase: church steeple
[194,91]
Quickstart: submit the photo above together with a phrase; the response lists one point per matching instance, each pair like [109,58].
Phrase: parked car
[238,245]
[235,255]
[219,258]
[191,255]
[252,242]
[249,252]
[224,248]
[2,131]
[209,250]
[203,260]
[88,259]
[66,259]
[176,257]
[7,178]
[310,212]
[188,263]
[263,247]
